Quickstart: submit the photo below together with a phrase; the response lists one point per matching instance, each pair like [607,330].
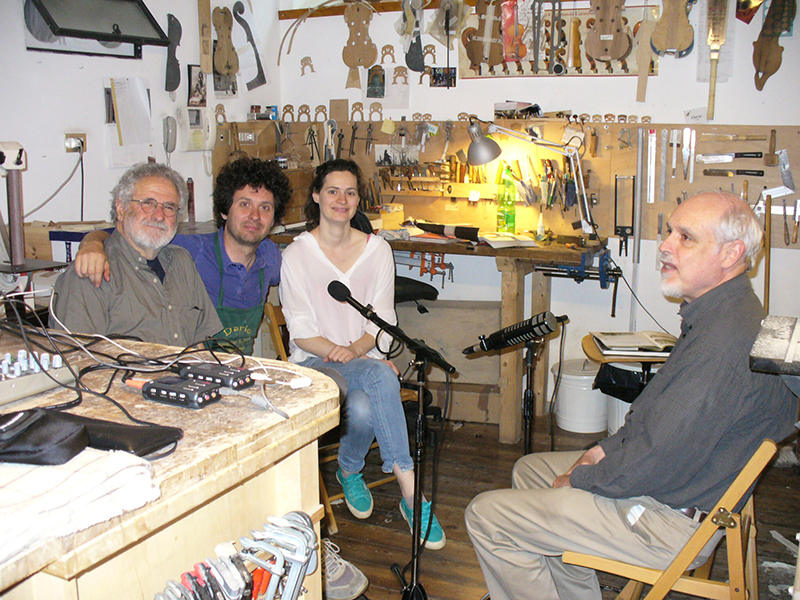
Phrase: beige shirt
[135,303]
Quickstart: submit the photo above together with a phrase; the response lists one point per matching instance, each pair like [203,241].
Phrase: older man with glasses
[156,294]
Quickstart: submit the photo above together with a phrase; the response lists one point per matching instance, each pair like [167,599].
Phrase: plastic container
[579,408]
[618,409]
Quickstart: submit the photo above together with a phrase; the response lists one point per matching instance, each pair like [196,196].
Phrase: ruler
[675,141]
[651,166]
[662,190]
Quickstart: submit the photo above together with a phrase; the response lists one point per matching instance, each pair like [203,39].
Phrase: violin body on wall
[226,60]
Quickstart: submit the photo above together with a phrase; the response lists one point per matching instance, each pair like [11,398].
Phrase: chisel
[726,137]
[726,157]
[726,173]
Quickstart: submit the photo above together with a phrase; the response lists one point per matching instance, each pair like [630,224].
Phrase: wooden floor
[472,461]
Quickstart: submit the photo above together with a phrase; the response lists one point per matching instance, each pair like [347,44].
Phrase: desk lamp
[483,150]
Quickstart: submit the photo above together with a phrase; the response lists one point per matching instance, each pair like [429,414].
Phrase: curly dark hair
[255,173]
[321,172]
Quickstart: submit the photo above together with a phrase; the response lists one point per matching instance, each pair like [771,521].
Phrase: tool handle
[712,86]
[748,155]
[767,248]
[752,172]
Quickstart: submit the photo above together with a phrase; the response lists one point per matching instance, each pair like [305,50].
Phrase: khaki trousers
[520,534]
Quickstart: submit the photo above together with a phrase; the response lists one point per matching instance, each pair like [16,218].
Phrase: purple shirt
[240,286]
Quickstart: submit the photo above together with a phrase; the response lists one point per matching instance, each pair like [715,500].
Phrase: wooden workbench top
[224,444]
[551,254]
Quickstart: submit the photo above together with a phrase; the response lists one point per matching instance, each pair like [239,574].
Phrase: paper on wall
[132,110]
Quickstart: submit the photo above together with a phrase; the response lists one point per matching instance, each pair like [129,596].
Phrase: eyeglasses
[149,205]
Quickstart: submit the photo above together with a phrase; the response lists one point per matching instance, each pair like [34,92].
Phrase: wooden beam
[338,10]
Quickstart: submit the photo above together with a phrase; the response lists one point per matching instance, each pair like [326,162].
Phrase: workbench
[236,465]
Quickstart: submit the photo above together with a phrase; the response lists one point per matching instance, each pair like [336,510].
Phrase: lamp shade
[481,149]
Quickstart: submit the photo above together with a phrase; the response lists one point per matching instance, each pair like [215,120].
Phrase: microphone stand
[413,590]
[532,350]
[423,354]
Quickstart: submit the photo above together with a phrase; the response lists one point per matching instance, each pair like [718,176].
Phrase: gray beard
[671,290]
[153,242]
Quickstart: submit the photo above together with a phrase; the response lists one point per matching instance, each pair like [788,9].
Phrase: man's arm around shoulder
[91,260]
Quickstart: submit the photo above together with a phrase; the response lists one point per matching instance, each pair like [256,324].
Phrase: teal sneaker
[356,494]
[436,538]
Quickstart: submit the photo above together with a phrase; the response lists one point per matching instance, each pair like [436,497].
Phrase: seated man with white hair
[639,495]
[156,294]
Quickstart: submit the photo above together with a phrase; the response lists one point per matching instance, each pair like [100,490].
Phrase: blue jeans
[372,409]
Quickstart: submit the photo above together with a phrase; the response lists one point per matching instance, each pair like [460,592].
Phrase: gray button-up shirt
[699,420]
[135,303]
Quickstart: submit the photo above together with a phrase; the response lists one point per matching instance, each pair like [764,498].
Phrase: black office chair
[405,288]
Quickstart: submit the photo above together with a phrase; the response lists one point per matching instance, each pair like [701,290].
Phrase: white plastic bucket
[579,408]
[618,409]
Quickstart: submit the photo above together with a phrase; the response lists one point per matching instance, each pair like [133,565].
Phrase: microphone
[535,327]
[341,293]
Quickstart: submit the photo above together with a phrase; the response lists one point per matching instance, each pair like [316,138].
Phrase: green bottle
[507,204]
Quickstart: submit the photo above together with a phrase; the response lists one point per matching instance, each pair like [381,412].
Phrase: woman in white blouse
[328,334]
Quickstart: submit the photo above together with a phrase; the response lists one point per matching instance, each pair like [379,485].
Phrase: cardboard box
[57,241]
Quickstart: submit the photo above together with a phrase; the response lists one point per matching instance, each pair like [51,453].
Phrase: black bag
[40,437]
[45,437]
[140,440]
[619,383]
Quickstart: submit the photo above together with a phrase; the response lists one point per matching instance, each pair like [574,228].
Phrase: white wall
[674,90]
[45,95]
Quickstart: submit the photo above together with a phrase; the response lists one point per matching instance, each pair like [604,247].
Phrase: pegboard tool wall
[615,161]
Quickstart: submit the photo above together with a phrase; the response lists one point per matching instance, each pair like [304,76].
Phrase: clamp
[604,273]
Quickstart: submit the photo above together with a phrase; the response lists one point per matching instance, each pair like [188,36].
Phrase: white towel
[39,503]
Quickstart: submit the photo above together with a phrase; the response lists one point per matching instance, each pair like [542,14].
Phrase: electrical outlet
[247,137]
[74,141]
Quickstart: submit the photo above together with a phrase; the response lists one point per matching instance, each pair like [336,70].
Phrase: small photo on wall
[197,86]
[443,77]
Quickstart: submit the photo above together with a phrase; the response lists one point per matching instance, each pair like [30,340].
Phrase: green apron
[239,325]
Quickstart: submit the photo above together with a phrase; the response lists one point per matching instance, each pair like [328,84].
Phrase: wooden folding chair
[740,533]
[276,323]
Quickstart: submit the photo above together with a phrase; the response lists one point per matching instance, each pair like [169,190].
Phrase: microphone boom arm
[417,347]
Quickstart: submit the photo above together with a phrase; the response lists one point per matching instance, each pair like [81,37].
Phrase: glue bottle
[507,204]
[540,226]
